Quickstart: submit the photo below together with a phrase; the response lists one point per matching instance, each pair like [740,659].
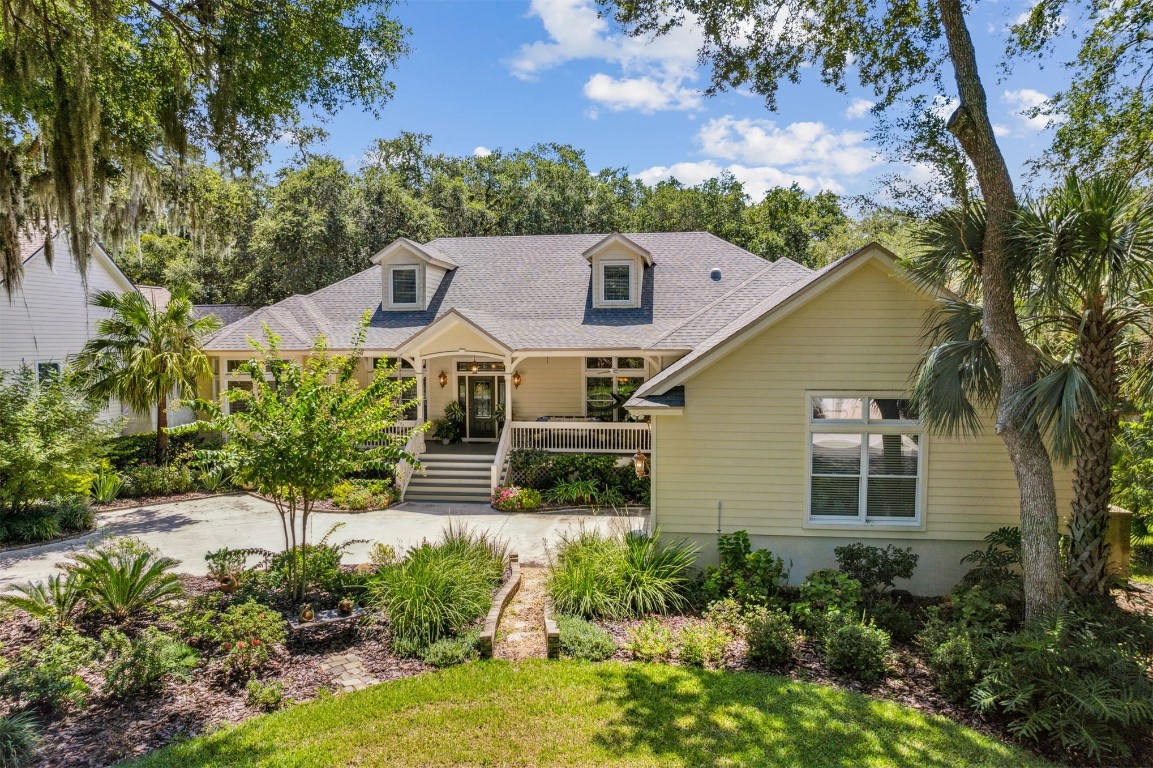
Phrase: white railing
[396,429]
[414,447]
[501,458]
[580,436]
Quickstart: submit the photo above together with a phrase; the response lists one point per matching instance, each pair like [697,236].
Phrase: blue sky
[488,74]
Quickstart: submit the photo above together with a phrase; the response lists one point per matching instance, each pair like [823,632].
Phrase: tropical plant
[139,664]
[574,492]
[303,429]
[106,486]
[19,739]
[122,583]
[142,353]
[54,602]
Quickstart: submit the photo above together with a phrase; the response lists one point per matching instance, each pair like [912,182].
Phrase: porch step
[451,478]
[452,497]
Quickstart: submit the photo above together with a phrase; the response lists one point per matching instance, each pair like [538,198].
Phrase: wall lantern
[516,380]
[474,367]
[640,464]
[443,379]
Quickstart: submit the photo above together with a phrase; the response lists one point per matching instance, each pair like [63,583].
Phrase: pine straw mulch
[105,732]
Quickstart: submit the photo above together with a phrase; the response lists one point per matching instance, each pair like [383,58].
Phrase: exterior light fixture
[474,367]
[443,379]
[516,380]
[640,464]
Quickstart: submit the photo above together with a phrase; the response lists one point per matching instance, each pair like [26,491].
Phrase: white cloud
[644,94]
[858,109]
[1000,130]
[756,180]
[805,147]
[1024,99]
[481,151]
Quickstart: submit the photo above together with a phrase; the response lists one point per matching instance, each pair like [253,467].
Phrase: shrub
[450,651]
[823,591]
[46,677]
[19,739]
[139,664]
[576,491]
[976,608]
[702,644]
[407,647]
[651,641]
[267,697]
[440,588]
[362,494]
[124,581]
[129,450]
[747,575]
[106,486]
[53,602]
[36,523]
[957,664]
[580,639]
[876,568]
[858,649]
[727,614]
[1073,678]
[226,562]
[997,569]
[157,480]
[614,576]
[382,556]
[899,621]
[513,498]
[74,513]
[247,632]
[770,636]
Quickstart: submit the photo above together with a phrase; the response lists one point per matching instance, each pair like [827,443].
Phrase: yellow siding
[551,386]
[742,440]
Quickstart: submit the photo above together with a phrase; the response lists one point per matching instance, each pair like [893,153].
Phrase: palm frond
[1053,402]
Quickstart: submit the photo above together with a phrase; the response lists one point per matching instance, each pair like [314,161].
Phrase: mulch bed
[105,732]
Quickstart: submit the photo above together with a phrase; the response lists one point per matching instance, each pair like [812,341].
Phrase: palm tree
[1082,265]
[141,354]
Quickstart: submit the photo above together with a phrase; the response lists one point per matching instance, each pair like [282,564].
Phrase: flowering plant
[513,498]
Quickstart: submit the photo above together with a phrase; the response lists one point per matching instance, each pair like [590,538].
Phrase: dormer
[410,273]
[618,271]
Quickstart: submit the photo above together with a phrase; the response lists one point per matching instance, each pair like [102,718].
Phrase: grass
[539,713]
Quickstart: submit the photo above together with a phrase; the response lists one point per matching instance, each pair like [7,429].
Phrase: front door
[481,407]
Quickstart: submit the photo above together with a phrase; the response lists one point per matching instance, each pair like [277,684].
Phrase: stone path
[521,631]
[348,672]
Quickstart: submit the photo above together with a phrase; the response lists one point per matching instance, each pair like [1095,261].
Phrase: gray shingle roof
[674,398]
[532,292]
[226,313]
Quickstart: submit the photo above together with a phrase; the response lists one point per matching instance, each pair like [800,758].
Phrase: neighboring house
[49,317]
[775,394]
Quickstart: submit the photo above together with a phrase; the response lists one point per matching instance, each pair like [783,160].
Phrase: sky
[508,74]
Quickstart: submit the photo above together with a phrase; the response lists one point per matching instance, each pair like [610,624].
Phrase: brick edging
[504,595]
[551,633]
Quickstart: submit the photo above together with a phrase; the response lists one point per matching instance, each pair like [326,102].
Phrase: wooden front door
[481,407]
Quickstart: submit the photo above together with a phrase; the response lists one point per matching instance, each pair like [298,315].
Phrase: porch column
[418,366]
[508,388]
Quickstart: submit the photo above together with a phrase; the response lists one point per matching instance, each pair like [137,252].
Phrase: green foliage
[727,614]
[246,632]
[858,649]
[702,644]
[142,480]
[747,575]
[19,739]
[599,575]
[267,697]
[899,620]
[439,589]
[592,478]
[956,657]
[213,480]
[382,555]
[51,440]
[137,665]
[303,429]
[823,591]
[106,486]
[359,495]
[1132,468]
[46,676]
[977,608]
[997,569]
[574,492]
[513,498]
[226,562]
[581,639]
[122,582]
[770,636]
[74,513]
[1076,678]
[125,451]
[876,568]
[34,524]
[651,641]
[54,602]
[450,651]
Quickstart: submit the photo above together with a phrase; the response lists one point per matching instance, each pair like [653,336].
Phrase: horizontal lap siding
[742,437]
[550,386]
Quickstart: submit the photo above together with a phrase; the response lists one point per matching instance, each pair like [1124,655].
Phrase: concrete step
[430,468]
[445,497]
[449,458]
[448,488]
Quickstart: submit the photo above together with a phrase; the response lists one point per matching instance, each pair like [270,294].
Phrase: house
[770,397]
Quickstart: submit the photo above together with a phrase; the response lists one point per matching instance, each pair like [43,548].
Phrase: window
[616,282]
[239,406]
[866,460]
[403,286]
[477,366]
[609,383]
[404,370]
[46,372]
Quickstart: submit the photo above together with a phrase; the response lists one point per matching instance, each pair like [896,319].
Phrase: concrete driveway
[187,530]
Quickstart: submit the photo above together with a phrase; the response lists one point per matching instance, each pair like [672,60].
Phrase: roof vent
[715,275]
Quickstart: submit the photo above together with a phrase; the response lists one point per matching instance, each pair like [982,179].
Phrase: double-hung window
[616,282]
[866,460]
[403,286]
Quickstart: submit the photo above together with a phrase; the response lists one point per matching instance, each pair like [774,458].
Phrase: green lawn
[576,714]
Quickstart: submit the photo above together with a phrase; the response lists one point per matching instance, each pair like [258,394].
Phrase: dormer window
[404,286]
[617,282]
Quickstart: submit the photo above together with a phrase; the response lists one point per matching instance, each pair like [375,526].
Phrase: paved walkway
[187,530]
[348,672]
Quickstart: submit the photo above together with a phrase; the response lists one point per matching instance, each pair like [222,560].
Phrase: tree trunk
[1088,570]
[1040,556]
[161,425]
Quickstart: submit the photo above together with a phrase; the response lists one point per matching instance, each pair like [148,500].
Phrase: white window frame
[38,363]
[864,427]
[615,372]
[393,269]
[626,302]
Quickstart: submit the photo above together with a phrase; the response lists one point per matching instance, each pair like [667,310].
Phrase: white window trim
[864,427]
[36,368]
[614,373]
[416,270]
[631,300]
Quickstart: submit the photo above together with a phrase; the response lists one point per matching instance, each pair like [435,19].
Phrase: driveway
[187,530]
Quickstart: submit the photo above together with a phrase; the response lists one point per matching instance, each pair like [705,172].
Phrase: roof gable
[617,239]
[402,245]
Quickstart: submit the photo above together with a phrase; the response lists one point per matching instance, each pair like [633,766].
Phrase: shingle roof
[531,292]
[227,313]
[674,398]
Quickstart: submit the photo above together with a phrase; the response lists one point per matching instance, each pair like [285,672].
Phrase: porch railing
[414,447]
[580,436]
[501,458]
